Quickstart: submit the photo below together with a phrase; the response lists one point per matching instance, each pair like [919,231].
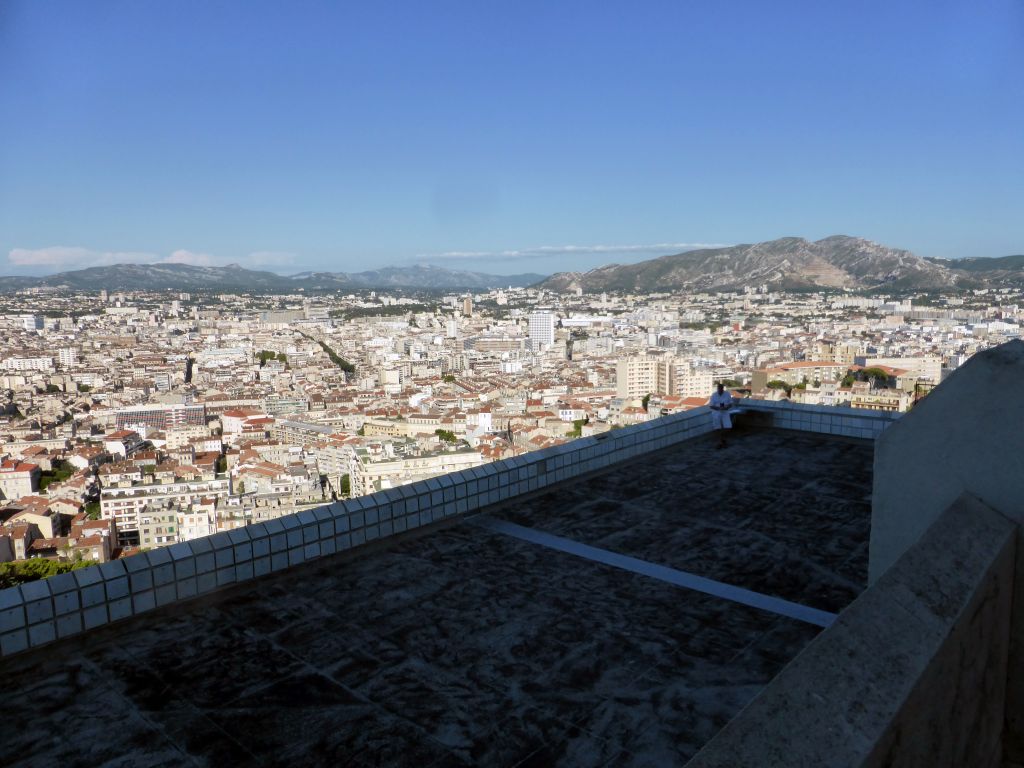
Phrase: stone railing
[41,612]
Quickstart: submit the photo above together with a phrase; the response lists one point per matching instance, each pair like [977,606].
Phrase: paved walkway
[668,575]
[467,647]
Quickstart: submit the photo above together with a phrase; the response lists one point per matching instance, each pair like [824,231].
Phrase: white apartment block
[124,504]
[687,380]
[27,364]
[196,522]
[369,473]
[637,376]
[542,329]
[31,322]
[18,479]
[67,357]
[642,375]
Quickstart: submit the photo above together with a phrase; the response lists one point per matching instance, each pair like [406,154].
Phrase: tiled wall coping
[823,419]
[41,612]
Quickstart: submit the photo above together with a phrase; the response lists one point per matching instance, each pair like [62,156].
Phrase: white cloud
[61,257]
[563,250]
[68,257]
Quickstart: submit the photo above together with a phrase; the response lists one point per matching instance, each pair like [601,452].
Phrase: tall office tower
[104,295]
[467,306]
[542,330]
[452,329]
[32,322]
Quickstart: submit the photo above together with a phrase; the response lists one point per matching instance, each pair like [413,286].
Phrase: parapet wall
[823,419]
[912,673]
[967,436]
[41,612]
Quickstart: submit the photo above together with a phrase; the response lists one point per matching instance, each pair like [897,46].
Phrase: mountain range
[789,263]
[233,278]
[793,263]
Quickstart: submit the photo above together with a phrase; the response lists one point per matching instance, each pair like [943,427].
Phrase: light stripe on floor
[660,572]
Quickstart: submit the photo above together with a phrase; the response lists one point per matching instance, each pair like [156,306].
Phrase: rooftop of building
[619,619]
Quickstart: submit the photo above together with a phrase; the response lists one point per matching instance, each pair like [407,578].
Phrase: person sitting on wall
[721,402]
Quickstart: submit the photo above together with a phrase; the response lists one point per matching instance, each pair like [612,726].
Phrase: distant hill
[790,263]
[233,278]
[1005,271]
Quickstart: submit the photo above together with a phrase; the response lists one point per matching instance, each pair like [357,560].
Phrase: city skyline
[505,141]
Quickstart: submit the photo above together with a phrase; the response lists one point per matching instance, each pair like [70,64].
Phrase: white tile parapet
[41,612]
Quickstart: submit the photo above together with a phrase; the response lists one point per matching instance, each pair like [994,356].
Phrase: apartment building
[796,372]
[124,502]
[18,479]
[160,417]
[375,468]
[642,375]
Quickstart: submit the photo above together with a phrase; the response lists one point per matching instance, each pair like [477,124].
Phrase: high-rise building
[67,357]
[542,330]
[661,374]
[32,322]
[467,306]
[636,376]
[683,379]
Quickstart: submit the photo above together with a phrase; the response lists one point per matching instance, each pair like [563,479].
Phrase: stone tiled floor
[465,647]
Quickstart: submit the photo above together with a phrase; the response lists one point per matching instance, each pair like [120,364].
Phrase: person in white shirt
[721,402]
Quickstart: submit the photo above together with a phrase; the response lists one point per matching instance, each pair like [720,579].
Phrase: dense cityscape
[136,420]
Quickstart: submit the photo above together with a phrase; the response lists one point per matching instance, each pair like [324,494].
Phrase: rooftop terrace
[481,640]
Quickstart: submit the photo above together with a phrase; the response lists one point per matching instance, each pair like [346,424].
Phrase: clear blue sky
[345,136]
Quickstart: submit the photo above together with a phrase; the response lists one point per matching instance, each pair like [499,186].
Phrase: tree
[21,571]
[51,388]
[645,401]
[92,510]
[84,388]
[448,377]
[880,376]
[240,487]
[222,464]
[345,365]
[345,486]
[446,435]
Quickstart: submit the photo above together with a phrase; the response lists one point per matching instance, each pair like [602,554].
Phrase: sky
[503,137]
